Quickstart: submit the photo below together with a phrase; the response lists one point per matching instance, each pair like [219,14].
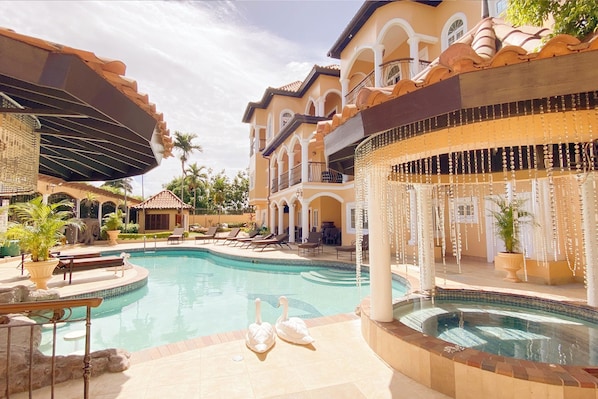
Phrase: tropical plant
[184,143]
[196,179]
[508,220]
[578,18]
[40,226]
[113,220]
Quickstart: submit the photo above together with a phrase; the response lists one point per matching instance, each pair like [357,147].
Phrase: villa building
[294,185]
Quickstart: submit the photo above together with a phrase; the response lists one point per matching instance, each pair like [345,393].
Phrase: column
[271,223]
[414,55]
[292,222]
[344,90]
[45,198]
[78,208]
[589,206]
[379,253]
[378,60]
[280,219]
[425,242]
[290,167]
[304,220]
[304,161]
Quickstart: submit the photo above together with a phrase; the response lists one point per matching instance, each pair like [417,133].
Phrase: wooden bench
[70,264]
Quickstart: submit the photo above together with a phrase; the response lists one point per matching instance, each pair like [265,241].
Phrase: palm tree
[126,186]
[219,185]
[197,178]
[184,143]
[89,200]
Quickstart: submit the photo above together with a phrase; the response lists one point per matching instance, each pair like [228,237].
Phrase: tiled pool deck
[340,364]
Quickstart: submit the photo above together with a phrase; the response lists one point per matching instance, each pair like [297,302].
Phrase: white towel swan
[260,335]
[291,329]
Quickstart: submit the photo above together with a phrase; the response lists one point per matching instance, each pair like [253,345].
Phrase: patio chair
[280,240]
[365,246]
[246,241]
[176,236]
[234,232]
[235,240]
[312,243]
[210,234]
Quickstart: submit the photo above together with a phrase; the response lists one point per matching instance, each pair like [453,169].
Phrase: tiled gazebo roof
[165,199]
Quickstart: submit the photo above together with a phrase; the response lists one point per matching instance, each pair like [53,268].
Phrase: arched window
[285,117]
[393,75]
[456,31]
[454,28]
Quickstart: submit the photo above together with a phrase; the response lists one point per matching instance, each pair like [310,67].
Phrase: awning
[94,125]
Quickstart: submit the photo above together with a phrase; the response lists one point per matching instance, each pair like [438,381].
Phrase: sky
[200,62]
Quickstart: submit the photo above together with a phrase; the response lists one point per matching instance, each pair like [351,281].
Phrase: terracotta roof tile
[165,199]
[292,86]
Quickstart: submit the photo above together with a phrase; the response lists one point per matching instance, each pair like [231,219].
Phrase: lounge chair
[176,236]
[70,264]
[312,243]
[209,235]
[246,241]
[233,233]
[280,240]
[235,240]
[365,246]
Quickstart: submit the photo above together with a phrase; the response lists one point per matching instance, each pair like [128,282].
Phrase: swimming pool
[195,293]
[505,330]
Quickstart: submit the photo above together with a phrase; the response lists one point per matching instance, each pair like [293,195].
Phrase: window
[394,75]
[466,210]
[285,117]
[352,221]
[456,31]
[501,7]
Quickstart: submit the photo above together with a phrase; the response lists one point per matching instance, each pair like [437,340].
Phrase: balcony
[296,175]
[392,72]
[317,173]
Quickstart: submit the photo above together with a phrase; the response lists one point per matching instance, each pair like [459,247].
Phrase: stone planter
[112,236]
[511,263]
[41,272]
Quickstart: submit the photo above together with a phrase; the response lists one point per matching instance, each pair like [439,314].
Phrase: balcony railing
[274,185]
[318,173]
[25,368]
[392,72]
[283,181]
[296,175]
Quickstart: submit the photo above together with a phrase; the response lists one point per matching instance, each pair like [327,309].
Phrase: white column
[379,252]
[45,198]
[378,60]
[320,106]
[414,55]
[425,242]
[292,222]
[304,220]
[589,215]
[290,167]
[272,218]
[100,216]
[304,161]
[78,206]
[280,219]
[344,90]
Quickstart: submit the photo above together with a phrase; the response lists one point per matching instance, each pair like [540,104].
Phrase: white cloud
[196,61]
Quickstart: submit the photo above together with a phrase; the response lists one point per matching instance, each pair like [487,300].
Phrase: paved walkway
[338,365]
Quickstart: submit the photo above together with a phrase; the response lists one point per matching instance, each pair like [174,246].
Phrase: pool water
[506,330]
[191,294]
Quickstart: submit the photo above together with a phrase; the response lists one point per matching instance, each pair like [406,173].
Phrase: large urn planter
[40,272]
[511,263]
[112,236]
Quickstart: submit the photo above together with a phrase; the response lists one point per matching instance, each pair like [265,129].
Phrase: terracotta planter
[41,272]
[113,235]
[511,263]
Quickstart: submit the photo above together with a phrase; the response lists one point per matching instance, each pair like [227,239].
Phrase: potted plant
[38,228]
[112,223]
[508,219]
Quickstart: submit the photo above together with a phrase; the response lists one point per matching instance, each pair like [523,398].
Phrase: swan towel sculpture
[260,335]
[291,329]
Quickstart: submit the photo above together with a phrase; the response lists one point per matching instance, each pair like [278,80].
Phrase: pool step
[334,277]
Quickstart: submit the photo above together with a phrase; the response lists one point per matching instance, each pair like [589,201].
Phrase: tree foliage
[578,18]
[213,191]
